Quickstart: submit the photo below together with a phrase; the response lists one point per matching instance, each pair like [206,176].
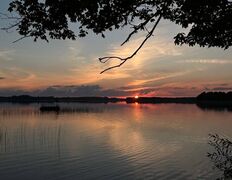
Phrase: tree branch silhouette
[222,154]
[141,26]
[4,16]
[209,22]
[108,58]
[20,39]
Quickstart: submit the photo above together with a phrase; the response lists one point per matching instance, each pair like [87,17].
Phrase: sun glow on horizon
[136,97]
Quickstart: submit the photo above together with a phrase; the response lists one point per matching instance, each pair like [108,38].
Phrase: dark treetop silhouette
[209,21]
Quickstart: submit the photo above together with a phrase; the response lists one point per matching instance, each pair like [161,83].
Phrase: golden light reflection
[137,112]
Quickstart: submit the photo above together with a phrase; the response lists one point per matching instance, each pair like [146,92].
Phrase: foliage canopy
[209,21]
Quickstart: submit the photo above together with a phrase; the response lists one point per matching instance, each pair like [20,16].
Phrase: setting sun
[124,106]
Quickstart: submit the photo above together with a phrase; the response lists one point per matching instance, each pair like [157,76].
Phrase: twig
[20,39]
[136,28]
[106,59]
[6,16]
[10,27]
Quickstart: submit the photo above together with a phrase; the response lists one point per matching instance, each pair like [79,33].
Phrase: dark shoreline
[25,99]
[206,101]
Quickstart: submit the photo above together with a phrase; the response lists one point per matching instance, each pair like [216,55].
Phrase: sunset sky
[71,68]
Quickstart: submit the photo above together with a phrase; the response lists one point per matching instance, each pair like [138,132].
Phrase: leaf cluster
[209,21]
[222,154]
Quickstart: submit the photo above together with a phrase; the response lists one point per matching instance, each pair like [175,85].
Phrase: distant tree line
[52,99]
[211,97]
[215,96]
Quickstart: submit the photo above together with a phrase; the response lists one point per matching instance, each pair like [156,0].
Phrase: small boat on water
[50,108]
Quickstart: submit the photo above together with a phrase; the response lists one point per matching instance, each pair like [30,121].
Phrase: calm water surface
[109,141]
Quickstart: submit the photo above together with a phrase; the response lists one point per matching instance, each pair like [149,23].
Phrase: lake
[110,141]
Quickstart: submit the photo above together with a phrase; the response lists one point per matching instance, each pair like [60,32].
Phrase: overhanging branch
[136,29]
[11,26]
[108,58]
